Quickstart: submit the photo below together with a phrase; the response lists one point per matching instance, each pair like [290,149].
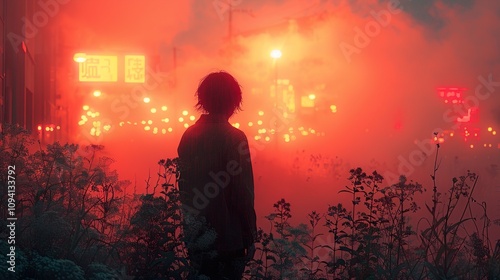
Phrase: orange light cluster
[48,128]
[267,133]
[160,123]
[489,138]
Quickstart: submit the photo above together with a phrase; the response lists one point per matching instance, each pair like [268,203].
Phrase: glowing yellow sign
[135,69]
[99,68]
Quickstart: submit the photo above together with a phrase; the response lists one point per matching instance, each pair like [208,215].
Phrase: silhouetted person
[216,183]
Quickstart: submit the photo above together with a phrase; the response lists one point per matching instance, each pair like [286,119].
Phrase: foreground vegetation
[77,220]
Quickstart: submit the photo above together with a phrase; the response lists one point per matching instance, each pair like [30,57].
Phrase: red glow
[451,94]
[346,111]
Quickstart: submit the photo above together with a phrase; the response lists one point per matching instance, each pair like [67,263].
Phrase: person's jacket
[216,180]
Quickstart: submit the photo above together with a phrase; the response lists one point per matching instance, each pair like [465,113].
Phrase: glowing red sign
[451,95]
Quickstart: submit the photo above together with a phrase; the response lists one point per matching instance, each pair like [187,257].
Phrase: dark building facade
[18,73]
[28,62]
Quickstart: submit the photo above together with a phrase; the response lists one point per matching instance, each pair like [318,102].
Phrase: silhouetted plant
[280,251]
[362,241]
[260,266]
[312,270]
[284,246]
[441,242]
[392,208]
[66,204]
[334,217]
[76,221]
[156,245]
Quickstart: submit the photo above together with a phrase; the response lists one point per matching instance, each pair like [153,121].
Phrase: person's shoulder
[237,135]
[234,130]
[187,131]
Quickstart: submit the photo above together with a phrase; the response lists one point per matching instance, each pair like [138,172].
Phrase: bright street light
[80,57]
[275,54]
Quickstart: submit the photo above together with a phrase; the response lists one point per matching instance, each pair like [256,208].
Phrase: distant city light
[146,99]
[261,113]
[85,107]
[153,110]
[184,113]
[312,96]
[164,108]
[97,93]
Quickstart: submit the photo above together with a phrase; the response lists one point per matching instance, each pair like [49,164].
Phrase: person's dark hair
[219,93]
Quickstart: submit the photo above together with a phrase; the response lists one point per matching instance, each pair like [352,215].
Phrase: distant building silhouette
[28,64]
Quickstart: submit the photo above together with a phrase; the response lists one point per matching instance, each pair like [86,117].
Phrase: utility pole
[230,22]
[230,25]
[175,65]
